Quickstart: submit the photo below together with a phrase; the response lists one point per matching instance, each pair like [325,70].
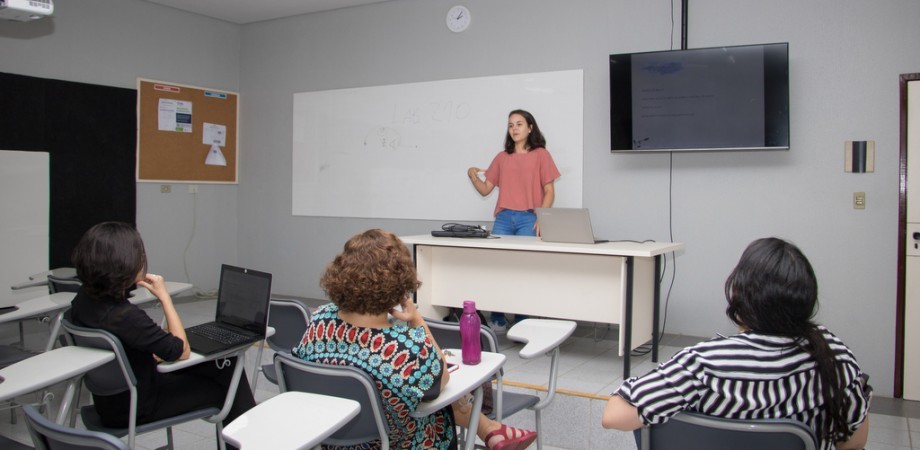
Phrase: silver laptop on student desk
[570,225]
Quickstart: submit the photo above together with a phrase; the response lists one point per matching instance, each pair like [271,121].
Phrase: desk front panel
[559,285]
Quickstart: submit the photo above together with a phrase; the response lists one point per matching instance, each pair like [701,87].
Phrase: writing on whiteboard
[437,111]
[383,138]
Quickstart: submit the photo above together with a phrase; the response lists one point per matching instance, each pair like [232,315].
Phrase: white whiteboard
[24,199]
[402,151]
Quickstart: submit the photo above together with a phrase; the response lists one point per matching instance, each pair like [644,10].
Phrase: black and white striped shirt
[746,376]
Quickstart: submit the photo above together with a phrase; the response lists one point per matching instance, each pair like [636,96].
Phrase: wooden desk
[290,420]
[49,368]
[464,380]
[614,282]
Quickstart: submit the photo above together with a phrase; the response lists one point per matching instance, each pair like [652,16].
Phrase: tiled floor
[589,371]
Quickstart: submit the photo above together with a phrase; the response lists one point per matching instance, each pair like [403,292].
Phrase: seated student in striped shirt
[774,367]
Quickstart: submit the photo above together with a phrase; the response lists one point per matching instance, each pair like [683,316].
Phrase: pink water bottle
[469,334]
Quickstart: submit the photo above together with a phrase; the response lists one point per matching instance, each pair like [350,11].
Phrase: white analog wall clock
[458,18]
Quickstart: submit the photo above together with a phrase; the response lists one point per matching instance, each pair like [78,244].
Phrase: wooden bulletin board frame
[179,156]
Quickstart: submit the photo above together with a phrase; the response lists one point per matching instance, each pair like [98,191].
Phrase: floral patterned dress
[404,365]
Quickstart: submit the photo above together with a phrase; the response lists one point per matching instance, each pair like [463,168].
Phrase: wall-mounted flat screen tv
[720,98]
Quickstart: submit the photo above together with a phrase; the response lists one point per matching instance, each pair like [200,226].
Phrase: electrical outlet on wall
[859,200]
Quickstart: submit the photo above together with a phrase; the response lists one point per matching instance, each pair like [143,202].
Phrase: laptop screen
[570,225]
[243,296]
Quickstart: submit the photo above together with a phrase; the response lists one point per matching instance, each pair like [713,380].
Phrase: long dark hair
[773,290]
[108,259]
[534,140]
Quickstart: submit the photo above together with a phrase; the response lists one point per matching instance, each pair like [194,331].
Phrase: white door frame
[903,239]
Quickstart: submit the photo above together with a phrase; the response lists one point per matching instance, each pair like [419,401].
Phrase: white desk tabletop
[48,368]
[291,420]
[532,243]
[462,381]
[198,358]
[540,335]
[37,306]
[48,303]
[140,295]
[41,278]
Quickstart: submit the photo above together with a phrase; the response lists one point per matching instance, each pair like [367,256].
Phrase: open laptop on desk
[242,312]
[569,225]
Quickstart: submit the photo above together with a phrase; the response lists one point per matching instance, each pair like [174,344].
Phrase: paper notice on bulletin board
[214,134]
[175,115]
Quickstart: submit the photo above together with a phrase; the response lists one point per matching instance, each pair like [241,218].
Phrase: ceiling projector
[25,10]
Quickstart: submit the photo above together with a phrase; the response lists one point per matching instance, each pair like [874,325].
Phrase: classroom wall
[845,60]
[846,57]
[111,43]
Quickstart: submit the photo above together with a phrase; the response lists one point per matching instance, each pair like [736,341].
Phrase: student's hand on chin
[153,283]
[406,311]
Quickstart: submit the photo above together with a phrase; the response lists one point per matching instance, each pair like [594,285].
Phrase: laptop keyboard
[216,333]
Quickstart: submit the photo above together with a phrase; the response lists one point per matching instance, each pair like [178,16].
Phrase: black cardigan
[141,338]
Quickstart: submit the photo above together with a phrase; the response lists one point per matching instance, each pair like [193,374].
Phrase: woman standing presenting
[524,174]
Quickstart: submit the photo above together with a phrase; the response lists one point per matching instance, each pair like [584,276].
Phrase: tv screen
[720,98]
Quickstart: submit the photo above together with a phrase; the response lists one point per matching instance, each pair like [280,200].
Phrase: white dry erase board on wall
[24,199]
[402,151]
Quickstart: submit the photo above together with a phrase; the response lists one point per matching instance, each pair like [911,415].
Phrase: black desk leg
[415,261]
[627,322]
[655,308]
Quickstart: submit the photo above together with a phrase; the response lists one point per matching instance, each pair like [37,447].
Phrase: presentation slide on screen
[693,100]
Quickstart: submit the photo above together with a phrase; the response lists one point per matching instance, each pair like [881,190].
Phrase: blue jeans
[515,223]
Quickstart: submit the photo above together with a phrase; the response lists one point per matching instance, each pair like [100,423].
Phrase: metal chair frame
[118,376]
[295,374]
[694,431]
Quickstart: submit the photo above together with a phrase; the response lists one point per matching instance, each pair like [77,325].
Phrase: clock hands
[458,18]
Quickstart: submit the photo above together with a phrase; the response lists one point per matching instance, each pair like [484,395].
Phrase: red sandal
[512,438]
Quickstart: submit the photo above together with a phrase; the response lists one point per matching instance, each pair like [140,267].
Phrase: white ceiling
[246,11]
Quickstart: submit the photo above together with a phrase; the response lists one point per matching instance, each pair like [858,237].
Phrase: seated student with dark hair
[779,365]
[109,259]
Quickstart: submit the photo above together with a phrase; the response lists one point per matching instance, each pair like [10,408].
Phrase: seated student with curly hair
[372,277]
[779,365]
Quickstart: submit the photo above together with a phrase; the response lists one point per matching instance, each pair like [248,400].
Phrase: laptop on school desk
[242,312]
[569,225]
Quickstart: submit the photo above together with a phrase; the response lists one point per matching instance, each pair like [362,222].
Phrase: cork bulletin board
[181,127]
